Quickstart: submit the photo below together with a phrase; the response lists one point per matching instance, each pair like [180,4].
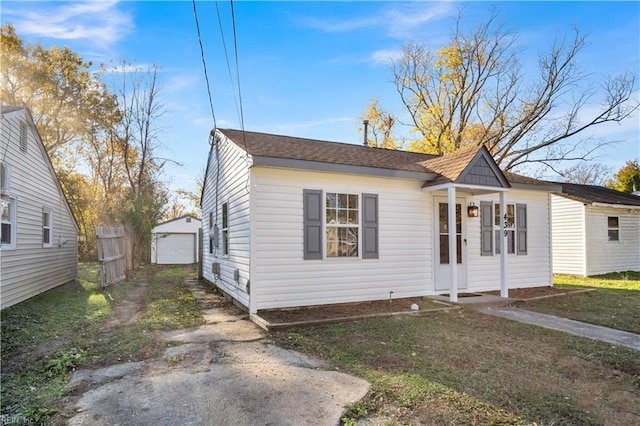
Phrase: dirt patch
[347,310]
[536,292]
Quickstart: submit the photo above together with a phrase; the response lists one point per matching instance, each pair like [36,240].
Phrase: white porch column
[453,259]
[504,291]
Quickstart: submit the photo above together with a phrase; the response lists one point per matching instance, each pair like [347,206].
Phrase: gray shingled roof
[276,146]
[590,194]
[5,109]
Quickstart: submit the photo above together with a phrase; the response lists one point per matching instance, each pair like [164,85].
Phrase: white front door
[442,229]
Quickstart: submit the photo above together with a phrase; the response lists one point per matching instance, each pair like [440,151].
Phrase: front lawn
[463,368]
[615,302]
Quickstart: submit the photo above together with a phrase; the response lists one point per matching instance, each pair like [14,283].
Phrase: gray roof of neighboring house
[5,109]
[446,168]
[590,194]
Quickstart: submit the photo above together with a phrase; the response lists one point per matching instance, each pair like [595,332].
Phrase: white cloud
[99,22]
[386,56]
[400,21]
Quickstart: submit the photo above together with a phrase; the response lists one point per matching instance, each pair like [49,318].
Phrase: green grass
[615,302]
[45,338]
[468,368]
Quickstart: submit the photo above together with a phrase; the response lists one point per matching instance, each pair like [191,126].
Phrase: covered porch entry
[464,176]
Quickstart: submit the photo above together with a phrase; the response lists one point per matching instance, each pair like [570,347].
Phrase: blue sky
[310,69]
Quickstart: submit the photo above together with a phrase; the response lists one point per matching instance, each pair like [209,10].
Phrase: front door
[442,229]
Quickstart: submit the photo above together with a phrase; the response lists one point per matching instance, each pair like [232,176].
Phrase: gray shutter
[486,228]
[216,236]
[369,226]
[521,227]
[312,200]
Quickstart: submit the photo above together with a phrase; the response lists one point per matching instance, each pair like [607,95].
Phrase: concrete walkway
[596,332]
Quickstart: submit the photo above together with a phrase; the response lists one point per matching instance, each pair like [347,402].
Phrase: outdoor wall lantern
[472,210]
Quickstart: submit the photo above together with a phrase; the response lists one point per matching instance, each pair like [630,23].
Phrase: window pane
[331,216]
[6,233]
[511,242]
[496,210]
[443,219]
[45,218]
[342,201]
[458,219]
[353,202]
[331,200]
[46,238]
[498,241]
[444,249]
[612,221]
[614,235]
[509,223]
[353,217]
[332,248]
[332,233]
[459,249]
[5,209]
[342,216]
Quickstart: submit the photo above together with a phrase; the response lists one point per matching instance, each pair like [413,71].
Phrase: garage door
[176,249]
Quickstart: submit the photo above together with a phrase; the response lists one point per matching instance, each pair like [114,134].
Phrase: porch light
[472,210]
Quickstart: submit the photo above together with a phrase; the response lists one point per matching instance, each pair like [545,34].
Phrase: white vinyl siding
[568,236]
[31,269]
[530,270]
[280,275]
[231,182]
[604,255]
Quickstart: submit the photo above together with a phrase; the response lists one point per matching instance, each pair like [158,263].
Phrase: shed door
[172,249]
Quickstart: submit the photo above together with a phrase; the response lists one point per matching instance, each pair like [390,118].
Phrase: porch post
[504,291]
[453,259]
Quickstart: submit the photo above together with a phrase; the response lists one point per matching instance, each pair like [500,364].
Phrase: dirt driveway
[224,372]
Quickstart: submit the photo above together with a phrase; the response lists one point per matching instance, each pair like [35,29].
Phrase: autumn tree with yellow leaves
[474,91]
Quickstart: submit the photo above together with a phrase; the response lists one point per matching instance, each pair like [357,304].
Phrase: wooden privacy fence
[112,248]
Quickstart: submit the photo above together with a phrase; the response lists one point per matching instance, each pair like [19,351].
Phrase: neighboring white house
[176,241]
[595,230]
[39,235]
[296,222]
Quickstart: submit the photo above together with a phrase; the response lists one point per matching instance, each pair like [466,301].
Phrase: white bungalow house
[38,244]
[291,222]
[595,230]
[175,241]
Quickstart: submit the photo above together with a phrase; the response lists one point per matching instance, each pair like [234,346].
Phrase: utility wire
[226,56]
[235,45]
[204,64]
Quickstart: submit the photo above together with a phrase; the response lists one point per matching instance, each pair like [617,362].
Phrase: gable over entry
[472,171]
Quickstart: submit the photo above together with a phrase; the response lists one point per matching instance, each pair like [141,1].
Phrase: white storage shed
[175,242]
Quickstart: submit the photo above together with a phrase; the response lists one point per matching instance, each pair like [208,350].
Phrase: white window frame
[614,229]
[47,227]
[509,227]
[225,229]
[348,224]
[12,221]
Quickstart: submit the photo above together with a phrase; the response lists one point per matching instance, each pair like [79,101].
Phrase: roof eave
[288,163]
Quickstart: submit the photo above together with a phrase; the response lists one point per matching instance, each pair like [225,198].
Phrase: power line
[226,56]
[235,45]
[204,64]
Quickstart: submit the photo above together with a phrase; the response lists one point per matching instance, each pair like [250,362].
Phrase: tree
[380,127]
[134,141]
[58,88]
[474,91]
[587,174]
[627,179]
